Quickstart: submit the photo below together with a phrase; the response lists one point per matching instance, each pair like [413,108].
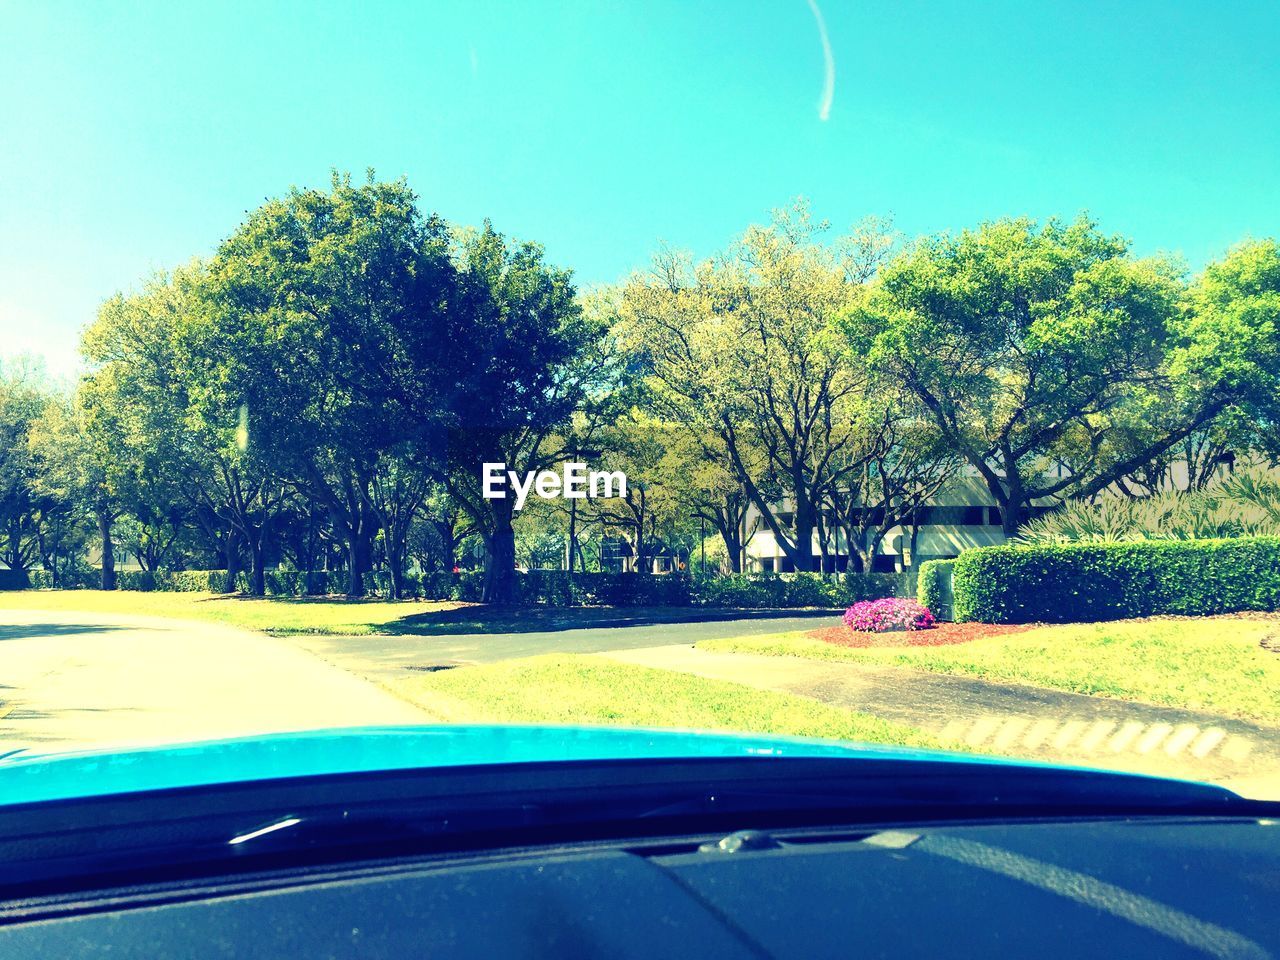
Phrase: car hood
[30,777]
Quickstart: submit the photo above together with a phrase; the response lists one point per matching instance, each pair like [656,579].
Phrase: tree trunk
[108,551]
[806,522]
[500,570]
[355,561]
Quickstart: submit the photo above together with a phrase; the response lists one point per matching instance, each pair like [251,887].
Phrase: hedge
[796,589]
[544,587]
[14,579]
[1088,582]
[933,587]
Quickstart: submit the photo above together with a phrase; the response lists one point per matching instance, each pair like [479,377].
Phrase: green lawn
[1209,663]
[580,689]
[272,615]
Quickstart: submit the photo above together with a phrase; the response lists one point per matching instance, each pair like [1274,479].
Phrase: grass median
[1218,664]
[582,689]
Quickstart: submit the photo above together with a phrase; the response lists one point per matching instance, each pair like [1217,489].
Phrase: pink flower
[891,613]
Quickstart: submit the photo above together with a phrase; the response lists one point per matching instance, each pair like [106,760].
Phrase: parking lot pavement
[74,680]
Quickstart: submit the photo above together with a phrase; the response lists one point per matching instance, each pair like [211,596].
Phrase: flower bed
[941,635]
[891,613]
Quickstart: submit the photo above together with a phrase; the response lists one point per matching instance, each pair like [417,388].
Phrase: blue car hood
[30,778]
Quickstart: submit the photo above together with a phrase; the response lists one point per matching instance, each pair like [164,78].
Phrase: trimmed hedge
[545,587]
[1087,582]
[933,587]
[796,589]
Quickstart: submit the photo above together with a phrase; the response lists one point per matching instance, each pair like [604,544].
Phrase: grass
[582,689]
[1207,663]
[275,615]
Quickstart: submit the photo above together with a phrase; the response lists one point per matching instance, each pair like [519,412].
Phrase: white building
[964,515]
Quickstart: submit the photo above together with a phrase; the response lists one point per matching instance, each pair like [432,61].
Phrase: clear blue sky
[135,135]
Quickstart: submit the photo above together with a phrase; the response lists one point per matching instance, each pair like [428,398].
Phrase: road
[387,657]
[73,680]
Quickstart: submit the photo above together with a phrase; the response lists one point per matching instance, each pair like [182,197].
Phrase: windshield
[899,375]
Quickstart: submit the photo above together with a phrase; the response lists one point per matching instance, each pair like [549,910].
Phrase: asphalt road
[386,657]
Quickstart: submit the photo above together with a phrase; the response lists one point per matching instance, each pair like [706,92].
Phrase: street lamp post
[702,543]
[571,548]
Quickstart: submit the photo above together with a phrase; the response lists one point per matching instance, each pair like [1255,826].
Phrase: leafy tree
[23,398]
[534,359]
[1021,342]
[1232,348]
[328,326]
[741,356]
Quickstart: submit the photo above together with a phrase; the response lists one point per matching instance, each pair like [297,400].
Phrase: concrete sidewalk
[1008,719]
[76,680]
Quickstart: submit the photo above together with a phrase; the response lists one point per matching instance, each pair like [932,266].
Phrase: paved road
[1009,719]
[71,680]
[388,657]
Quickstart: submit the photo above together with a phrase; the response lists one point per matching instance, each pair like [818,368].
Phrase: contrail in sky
[829,80]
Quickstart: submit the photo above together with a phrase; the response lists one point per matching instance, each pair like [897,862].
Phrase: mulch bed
[944,634]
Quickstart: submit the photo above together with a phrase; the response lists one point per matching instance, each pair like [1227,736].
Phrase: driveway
[387,657]
[71,680]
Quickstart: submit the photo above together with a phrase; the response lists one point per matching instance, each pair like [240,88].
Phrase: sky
[134,136]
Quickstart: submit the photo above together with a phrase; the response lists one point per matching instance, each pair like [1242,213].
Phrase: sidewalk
[1008,719]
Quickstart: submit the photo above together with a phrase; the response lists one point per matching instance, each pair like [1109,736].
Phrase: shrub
[933,588]
[141,580]
[14,579]
[1086,582]
[889,613]
[196,581]
[795,589]
[1247,504]
[853,587]
[739,590]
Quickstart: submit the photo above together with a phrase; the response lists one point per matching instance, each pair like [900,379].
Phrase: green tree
[740,354]
[327,325]
[1232,348]
[23,398]
[534,359]
[1021,342]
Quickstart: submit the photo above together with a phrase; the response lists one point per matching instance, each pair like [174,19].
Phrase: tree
[648,515]
[534,359]
[1232,342]
[327,324]
[897,463]
[741,355]
[709,491]
[1022,343]
[23,398]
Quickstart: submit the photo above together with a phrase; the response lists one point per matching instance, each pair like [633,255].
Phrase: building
[964,515]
